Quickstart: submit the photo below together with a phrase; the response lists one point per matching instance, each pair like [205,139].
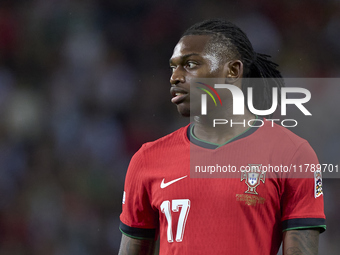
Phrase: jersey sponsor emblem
[317,184]
[253,178]
[164,185]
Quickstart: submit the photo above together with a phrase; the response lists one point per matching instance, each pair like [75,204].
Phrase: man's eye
[191,64]
[172,68]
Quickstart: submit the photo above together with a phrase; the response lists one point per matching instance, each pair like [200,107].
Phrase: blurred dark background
[83,83]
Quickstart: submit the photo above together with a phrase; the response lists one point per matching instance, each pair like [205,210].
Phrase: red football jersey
[244,213]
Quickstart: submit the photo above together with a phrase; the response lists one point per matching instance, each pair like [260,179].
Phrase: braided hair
[232,43]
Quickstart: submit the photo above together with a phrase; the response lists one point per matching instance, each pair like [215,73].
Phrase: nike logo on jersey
[164,185]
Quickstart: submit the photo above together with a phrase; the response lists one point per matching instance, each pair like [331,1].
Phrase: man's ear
[233,71]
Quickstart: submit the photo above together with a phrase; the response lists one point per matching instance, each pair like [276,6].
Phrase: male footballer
[248,213]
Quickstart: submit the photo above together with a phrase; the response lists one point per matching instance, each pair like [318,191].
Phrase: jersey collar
[199,142]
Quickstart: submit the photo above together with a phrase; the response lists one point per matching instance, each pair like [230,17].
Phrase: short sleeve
[302,198]
[138,218]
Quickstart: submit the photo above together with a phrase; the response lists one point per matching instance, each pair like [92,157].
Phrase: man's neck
[221,133]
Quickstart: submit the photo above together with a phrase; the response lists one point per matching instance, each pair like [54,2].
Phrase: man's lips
[178,95]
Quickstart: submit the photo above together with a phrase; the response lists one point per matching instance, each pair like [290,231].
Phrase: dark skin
[301,242]
[191,60]
[131,246]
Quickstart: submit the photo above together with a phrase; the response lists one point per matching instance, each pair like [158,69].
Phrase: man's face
[192,59]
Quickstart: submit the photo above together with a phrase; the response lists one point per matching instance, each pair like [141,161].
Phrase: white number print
[165,208]
[176,204]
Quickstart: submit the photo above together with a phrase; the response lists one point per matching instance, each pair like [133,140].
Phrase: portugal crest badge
[253,178]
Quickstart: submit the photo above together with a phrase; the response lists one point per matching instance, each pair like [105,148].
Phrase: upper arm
[303,217]
[132,246]
[301,242]
[302,204]
[139,219]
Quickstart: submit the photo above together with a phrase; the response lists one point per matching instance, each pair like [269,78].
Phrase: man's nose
[177,76]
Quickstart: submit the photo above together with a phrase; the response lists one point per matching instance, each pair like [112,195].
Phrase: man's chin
[185,114]
[184,111]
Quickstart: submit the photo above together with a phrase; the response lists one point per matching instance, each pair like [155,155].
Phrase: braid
[234,43]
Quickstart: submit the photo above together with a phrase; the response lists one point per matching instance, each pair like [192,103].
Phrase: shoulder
[168,142]
[282,145]
[152,156]
[291,148]
[281,135]
[162,146]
